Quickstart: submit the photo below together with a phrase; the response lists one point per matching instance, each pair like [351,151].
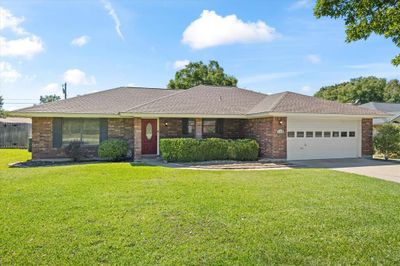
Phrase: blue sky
[270,46]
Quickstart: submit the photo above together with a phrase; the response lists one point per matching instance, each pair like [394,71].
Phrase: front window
[188,127]
[209,126]
[86,131]
[213,126]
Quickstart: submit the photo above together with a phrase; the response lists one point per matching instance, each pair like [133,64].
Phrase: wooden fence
[15,135]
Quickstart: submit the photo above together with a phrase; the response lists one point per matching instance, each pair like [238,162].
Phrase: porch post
[137,132]
[199,128]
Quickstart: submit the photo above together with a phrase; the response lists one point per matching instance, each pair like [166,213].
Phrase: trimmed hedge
[191,150]
[113,150]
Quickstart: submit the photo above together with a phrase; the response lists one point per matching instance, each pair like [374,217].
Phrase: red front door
[149,136]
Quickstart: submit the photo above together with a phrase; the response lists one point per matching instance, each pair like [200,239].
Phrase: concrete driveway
[387,170]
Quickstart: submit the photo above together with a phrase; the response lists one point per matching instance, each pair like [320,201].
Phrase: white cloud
[213,30]
[78,77]
[268,77]
[8,20]
[107,5]
[8,73]
[52,88]
[24,47]
[80,41]
[313,58]
[300,4]
[179,64]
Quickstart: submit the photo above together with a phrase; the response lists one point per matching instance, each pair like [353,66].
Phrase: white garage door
[323,138]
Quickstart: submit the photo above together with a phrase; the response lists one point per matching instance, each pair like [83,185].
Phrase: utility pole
[64,89]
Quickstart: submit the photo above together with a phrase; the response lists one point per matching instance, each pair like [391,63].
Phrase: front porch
[270,133]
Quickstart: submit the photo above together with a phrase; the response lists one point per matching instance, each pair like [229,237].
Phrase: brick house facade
[286,125]
[269,132]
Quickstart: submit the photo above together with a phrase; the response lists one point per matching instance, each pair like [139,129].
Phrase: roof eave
[258,115]
[183,115]
[60,114]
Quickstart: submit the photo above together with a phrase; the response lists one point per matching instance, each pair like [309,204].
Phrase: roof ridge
[279,99]
[152,101]
[275,103]
[228,87]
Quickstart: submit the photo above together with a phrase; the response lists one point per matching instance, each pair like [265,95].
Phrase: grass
[122,214]
[11,156]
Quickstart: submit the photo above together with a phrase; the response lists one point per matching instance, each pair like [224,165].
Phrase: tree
[359,90]
[362,18]
[391,93]
[387,140]
[49,98]
[2,112]
[197,73]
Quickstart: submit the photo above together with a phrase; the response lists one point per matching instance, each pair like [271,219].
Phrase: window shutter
[57,132]
[185,126]
[220,126]
[103,129]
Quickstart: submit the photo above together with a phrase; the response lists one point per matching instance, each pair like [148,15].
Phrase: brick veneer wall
[367,149]
[273,145]
[137,134]
[122,128]
[42,137]
[233,128]
[173,129]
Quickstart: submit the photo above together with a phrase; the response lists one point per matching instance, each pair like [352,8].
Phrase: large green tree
[49,98]
[197,73]
[391,93]
[365,17]
[359,90]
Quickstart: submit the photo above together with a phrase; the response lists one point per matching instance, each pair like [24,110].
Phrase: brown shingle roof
[199,100]
[211,100]
[290,102]
[111,101]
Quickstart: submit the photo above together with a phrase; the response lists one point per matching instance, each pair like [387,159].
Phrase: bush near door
[113,150]
[191,150]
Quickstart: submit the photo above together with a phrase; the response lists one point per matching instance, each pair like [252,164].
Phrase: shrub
[74,150]
[190,150]
[387,140]
[243,150]
[113,150]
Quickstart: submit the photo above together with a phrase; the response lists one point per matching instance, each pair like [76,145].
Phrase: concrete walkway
[219,165]
[387,170]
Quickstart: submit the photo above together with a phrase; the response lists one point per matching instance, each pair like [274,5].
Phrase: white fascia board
[71,115]
[311,115]
[153,115]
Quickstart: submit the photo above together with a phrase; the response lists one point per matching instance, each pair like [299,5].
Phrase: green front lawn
[11,156]
[122,214]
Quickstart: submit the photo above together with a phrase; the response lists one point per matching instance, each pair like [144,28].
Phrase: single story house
[393,109]
[286,125]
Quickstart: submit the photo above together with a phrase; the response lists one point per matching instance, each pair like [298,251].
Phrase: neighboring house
[286,125]
[391,108]
[15,132]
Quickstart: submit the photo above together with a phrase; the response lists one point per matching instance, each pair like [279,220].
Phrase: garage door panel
[323,147]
